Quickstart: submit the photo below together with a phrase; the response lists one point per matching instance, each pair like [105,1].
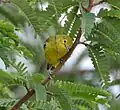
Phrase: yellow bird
[56,47]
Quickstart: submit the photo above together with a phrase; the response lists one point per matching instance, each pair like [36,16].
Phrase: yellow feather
[56,47]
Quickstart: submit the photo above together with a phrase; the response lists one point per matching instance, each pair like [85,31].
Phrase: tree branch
[46,80]
[23,100]
[31,92]
[91,5]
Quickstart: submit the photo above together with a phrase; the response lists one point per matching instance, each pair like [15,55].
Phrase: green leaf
[12,14]
[20,67]
[100,61]
[24,107]
[8,42]
[112,13]
[114,82]
[53,12]
[114,3]
[5,77]
[87,23]
[107,34]
[40,92]
[83,102]
[30,14]
[111,28]
[37,77]
[72,24]
[75,89]
[25,51]
[8,32]
[42,105]
[7,102]
[102,101]
[63,98]
[62,5]
[18,80]
[88,94]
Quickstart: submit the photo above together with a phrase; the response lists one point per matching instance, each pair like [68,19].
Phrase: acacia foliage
[104,38]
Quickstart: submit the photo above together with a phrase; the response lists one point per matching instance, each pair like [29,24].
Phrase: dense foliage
[24,27]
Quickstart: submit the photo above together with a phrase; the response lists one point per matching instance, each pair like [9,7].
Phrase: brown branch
[23,100]
[91,5]
[55,71]
[46,80]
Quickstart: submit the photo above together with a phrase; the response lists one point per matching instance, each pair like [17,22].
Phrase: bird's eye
[65,41]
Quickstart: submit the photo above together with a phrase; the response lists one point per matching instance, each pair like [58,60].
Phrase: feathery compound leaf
[12,14]
[8,42]
[107,34]
[114,82]
[110,29]
[21,75]
[7,30]
[7,102]
[72,23]
[100,61]
[11,79]
[23,50]
[21,68]
[63,98]
[114,3]
[47,18]
[18,80]
[31,15]
[87,23]
[61,5]
[5,77]
[84,92]
[5,52]
[76,89]
[42,105]
[82,102]
[112,13]
[53,12]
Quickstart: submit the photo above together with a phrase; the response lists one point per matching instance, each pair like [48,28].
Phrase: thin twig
[23,100]
[55,71]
